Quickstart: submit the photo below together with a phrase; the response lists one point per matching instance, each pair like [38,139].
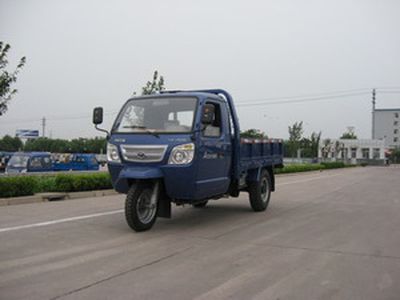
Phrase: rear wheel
[260,192]
[140,208]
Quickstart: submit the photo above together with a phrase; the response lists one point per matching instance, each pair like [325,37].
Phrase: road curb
[314,171]
[49,197]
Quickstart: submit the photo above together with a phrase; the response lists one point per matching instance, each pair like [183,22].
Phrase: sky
[82,54]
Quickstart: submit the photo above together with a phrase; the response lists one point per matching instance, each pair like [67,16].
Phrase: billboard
[27,133]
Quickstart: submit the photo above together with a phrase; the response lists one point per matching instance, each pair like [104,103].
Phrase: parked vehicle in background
[4,158]
[102,159]
[76,162]
[23,162]
[184,147]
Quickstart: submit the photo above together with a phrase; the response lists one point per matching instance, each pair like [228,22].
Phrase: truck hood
[149,139]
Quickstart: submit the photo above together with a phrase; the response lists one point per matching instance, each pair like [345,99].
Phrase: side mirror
[98,115]
[207,116]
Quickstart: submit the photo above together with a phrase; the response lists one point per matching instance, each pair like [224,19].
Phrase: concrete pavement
[328,235]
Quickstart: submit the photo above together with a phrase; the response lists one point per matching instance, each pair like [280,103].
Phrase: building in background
[386,126]
[353,151]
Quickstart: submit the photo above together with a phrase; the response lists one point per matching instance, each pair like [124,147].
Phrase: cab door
[215,154]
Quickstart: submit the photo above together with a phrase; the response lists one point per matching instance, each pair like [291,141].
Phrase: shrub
[17,186]
[45,184]
[311,167]
[63,183]
[299,168]
[82,182]
[28,185]
[333,165]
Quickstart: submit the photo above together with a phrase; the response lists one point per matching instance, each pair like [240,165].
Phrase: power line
[389,92]
[387,87]
[248,103]
[332,93]
[25,121]
[302,100]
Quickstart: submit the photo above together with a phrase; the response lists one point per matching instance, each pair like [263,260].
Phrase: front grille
[143,153]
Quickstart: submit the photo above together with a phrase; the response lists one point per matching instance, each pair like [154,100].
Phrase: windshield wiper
[135,127]
[152,132]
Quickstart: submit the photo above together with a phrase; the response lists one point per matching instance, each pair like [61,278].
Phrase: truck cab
[77,162]
[23,162]
[4,158]
[181,147]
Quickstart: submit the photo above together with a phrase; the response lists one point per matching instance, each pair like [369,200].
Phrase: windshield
[157,115]
[18,161]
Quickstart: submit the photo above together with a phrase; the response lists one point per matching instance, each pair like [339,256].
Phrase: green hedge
[299,168]
[29,185]
[334,165]
[17,186]
[311,167]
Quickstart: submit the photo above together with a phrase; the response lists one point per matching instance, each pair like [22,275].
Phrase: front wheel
[141,207]
[260,192]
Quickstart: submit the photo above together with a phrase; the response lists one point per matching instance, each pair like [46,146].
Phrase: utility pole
[43,126]
[373,112]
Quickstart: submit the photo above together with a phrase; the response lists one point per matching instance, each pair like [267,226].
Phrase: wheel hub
[145,209]
[264,189]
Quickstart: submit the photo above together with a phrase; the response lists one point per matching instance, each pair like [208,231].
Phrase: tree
[39,144]
[154,86]
[295,134]
[394,155]
[10,144]
[7,78]
[309,146]
[151,87]
[315,140]
[349,134]
[326,148]
[253,133]
[81,145]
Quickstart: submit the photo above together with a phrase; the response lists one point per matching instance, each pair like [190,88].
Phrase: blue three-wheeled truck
[185,147]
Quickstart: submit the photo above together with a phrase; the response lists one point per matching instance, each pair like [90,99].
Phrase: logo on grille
[141,155]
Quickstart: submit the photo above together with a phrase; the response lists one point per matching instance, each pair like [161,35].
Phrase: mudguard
[137,173]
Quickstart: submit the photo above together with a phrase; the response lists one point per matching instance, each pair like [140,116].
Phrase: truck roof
[199,93]
[33,153]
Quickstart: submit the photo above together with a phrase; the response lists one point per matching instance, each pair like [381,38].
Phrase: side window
[36,162]
[215,128]
[47,162]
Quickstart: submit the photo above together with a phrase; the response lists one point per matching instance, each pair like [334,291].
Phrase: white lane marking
[308,179]
[41,224]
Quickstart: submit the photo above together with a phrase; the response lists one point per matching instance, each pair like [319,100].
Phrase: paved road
[328,235]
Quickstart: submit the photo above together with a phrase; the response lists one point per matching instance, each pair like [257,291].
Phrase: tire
[140,214]
[260,192]
[200,204]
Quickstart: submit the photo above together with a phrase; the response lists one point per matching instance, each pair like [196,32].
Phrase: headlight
[112,153]
[182,154]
